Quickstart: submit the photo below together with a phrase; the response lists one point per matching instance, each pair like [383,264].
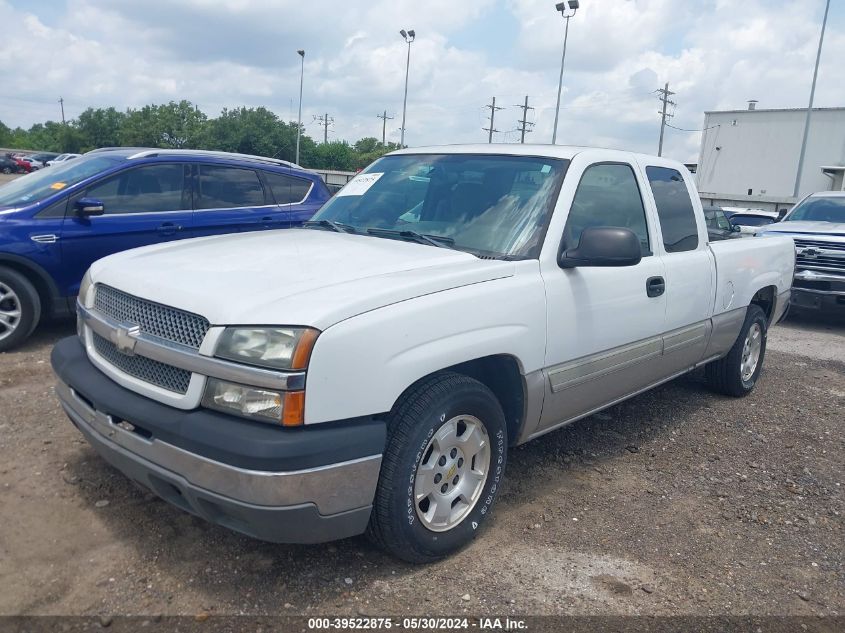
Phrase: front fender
[363,364]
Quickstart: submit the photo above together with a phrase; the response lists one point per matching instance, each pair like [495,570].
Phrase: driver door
[604,325]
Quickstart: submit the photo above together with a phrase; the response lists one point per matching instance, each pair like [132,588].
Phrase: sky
[715,54]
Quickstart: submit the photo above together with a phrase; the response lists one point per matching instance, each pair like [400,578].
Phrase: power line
[325,121]
[665,94]
[680,129]
[524,120]
[384,118]
[491,129]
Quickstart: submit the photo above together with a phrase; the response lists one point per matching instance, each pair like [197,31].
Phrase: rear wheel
[737,373]
[20,308]
[442,468]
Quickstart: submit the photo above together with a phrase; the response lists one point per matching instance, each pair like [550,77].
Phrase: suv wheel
[20,308]
[442,468]
[737,373]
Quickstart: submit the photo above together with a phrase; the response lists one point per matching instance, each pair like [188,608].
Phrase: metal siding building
[748,158]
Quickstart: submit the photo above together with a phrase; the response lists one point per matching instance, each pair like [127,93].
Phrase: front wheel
[737,373]
[442,468]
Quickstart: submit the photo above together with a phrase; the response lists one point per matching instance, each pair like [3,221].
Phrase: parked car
[750,222]
[370,370]
[61,158]
[8,165]
[55,223]
[23,166]
[719,227]
[33,163]
[817,226]
[43,157]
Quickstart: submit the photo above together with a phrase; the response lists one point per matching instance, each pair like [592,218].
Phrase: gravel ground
[678,501]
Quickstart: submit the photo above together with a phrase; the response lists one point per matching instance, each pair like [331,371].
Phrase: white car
[370,370]
[62,158]
[749,221]
[817,226]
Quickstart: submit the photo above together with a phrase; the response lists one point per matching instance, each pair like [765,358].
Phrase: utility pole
[325,121]
[384,118]
[491,129]
[664,97]
[301,53]
[62,103]
[810,107]
[524,120]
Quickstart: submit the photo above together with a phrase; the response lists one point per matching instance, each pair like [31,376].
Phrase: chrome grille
[820,255]
[155,319]
[146,369]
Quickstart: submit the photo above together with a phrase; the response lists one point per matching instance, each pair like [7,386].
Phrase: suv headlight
[271,348]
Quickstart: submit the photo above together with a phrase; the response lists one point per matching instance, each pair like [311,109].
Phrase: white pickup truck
[368,371]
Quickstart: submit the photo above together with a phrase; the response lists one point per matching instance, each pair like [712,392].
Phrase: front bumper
[328,496]
[817,290]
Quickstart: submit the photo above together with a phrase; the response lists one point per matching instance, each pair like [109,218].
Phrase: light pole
[562,7]
[301,53]
[810,107]
[409,37]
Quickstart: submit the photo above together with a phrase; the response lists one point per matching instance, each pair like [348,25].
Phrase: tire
[7,170]
[730,375]
[20,308]
[434,418]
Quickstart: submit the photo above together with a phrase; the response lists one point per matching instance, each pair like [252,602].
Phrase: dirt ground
[679,501]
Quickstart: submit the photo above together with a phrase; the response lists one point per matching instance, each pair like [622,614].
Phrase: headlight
[274,348]
[254,403]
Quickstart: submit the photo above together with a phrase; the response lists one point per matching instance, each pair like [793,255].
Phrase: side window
[287,189]
[674,208]
[607,195]
[227,188]
[147,189]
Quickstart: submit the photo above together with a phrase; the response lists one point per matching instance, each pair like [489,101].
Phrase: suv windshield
[44,183]
[488,205]
[819,209]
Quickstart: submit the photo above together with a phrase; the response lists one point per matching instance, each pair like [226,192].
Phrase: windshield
[44,183]
[489,205]
[819,209]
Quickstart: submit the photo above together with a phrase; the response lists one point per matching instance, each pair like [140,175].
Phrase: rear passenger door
[230,199]
[297,198]
[144,205]
[690,270]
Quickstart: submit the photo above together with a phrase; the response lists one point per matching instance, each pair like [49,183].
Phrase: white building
[749,158]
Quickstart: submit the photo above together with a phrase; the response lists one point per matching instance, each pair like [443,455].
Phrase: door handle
[655,286]
[168,228]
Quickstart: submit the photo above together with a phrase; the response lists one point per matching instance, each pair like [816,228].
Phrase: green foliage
[178,125]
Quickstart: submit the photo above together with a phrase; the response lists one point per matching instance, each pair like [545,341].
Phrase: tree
[172,125]
[334,155]
[100,127]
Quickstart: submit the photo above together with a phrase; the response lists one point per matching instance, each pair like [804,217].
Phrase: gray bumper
[307,506]
[818,290]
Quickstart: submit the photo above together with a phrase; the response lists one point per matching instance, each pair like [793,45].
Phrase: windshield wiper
[340,227]
[439,241]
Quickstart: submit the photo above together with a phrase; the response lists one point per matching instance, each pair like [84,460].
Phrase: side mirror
[782,214]
[736,228]
[603,246]
[87,207]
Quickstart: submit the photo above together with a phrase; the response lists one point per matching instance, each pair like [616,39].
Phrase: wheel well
[765,298]
[499,373]
[41,286]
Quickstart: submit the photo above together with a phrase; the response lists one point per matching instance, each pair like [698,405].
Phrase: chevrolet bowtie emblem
[125,337]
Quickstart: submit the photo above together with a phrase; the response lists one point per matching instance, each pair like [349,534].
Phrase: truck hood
[808,228]
[290,277]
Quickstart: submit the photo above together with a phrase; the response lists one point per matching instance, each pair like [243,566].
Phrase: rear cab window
[674,209]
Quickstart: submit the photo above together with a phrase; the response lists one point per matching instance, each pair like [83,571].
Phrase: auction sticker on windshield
[359,185]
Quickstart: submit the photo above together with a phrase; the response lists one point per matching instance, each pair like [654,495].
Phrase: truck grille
[155,319]
[820,255]
[146,369]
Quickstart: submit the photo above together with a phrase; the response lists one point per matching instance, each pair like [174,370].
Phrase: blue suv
[54,223]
